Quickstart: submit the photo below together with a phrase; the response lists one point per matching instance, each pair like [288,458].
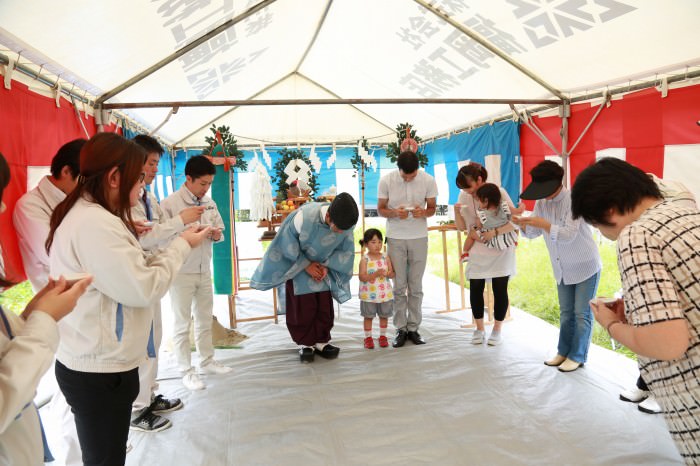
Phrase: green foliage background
[533,288]
[230,145]
[394,149]
[278,176]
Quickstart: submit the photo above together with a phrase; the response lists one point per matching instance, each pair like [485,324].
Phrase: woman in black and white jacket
[105,339]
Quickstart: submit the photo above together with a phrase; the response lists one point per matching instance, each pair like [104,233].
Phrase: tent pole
[531,125]
[182,51]
[593,118]
[490,47]
[218,117]
[267,102]
[362,167]
[573,100]
[234,253]
[565,113]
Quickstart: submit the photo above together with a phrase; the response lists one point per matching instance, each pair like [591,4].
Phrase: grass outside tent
[533,288]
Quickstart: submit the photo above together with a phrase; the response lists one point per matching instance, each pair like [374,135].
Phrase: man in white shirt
[31,219]
[193,284]
[148,406]
[407,198]
[33,211]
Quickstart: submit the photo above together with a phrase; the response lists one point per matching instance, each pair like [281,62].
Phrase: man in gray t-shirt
[407,198]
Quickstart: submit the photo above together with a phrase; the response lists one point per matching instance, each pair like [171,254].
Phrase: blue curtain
[502,138]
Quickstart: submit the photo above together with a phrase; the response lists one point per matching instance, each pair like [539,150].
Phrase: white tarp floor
[447,402]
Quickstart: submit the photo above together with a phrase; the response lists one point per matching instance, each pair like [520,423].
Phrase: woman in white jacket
[27,347]
[105,339]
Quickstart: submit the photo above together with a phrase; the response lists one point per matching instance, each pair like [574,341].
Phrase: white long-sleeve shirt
[164,229]
[31,218]
[572,250]
[108,329]
[23,361]
[199,261]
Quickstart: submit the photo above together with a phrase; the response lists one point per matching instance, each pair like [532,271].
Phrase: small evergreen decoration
[223,144]
[286,156]
[393,151]
[356,160]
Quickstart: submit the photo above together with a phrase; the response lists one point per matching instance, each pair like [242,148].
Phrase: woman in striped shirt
[575,261]
[657,245]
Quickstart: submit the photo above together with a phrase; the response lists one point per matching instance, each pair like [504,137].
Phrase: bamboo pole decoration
[235,283]
[445,269]
[362,184]
[461,268]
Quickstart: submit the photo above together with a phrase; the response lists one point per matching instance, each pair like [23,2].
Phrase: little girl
[376,294]
[493,213]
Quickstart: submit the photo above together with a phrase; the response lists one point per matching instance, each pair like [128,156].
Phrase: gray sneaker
[146,421]
[477,337]
[495,339]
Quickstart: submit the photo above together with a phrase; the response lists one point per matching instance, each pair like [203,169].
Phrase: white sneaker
[634,395]
[477,337]
[215,368]
[495,339]
[191,381]
[649,406]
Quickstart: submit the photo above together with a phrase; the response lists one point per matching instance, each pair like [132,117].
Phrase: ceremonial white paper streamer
[297,169]
[315,160]
[331,159]
[262,205]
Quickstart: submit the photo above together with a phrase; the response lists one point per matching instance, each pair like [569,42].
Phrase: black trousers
[101,404]
[500,297]
[641,384]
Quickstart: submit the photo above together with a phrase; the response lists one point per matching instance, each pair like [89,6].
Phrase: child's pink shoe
[383,342]
[369,343]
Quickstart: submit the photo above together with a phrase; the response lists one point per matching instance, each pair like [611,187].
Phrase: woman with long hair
[27,347]
[485,263]
[105,339]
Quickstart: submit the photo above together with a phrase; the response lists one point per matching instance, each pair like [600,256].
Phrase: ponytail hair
[98,157]
[469,174]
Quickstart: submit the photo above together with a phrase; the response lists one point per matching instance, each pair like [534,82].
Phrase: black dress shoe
[416,338]
[328,352]
[399,339]
[306,354]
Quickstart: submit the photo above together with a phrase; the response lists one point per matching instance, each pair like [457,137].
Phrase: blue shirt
[572,250]
[292,250]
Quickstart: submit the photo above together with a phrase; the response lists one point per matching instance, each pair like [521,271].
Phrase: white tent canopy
[344,49]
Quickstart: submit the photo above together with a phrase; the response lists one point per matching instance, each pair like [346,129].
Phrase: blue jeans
[575,318]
